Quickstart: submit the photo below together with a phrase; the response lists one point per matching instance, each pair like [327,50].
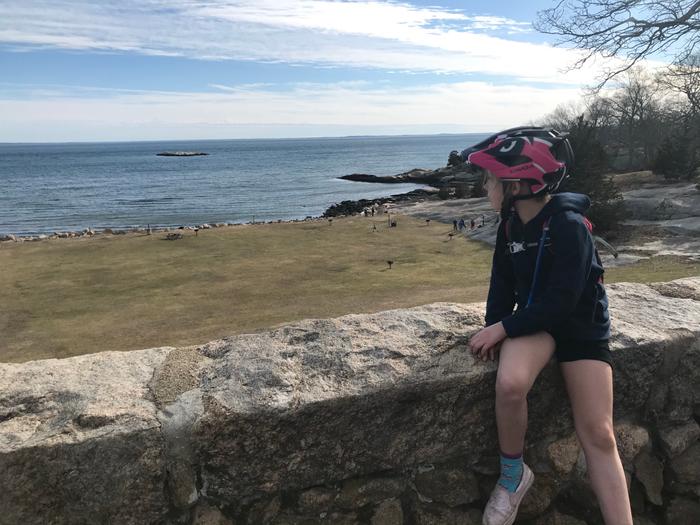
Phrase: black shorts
[575,350]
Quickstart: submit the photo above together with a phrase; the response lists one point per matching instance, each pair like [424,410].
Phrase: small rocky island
[181,153]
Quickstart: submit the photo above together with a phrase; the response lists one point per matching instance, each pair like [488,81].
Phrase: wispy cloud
[363,34]
[247,111]
[491,23]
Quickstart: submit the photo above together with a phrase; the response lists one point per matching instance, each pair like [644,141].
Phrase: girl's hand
[486,342]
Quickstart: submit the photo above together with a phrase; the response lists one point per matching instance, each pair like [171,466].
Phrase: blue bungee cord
[545,230]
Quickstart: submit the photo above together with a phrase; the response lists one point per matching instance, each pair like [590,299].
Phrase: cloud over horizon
[252,110]
[511,76]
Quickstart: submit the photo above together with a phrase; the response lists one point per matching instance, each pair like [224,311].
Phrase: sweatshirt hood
[568,201]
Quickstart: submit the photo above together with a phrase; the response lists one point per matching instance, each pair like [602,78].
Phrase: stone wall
[380,419]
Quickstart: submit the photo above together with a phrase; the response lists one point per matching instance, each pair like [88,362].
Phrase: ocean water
[68,187]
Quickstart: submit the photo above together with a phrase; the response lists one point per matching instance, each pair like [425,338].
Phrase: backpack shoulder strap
[589,226]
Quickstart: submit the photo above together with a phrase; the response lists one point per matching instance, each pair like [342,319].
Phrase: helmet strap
[524,197]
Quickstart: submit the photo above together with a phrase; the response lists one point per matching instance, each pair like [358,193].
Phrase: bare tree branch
[630,30]
[684,78]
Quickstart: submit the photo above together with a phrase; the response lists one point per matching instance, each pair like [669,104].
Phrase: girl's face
[494,187]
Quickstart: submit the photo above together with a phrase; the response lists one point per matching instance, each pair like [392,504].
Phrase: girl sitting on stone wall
[545,262]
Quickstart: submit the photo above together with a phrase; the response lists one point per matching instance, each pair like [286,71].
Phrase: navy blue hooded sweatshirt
[569,301]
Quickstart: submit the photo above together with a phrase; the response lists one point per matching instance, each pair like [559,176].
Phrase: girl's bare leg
[590,387]
[520,362]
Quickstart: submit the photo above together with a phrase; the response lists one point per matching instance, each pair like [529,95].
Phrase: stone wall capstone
[378,419]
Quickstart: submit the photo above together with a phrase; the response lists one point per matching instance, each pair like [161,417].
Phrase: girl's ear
[515,188]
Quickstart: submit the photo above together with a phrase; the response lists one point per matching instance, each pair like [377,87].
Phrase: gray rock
[450,486]
[264,512]
[564,453]
[675,440]
[686,466]
[631,440]
[80,440]
[389,512]
[557,518]
[359,492]
[206,515]
[683,511]
[544,490]
[650,472]
[274,386]
[688,288]
[333,517]
[438,515]
[641,520]
[316,500]
[674,202]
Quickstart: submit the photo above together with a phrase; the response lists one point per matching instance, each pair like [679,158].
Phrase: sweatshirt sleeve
[571,265]
[501,298]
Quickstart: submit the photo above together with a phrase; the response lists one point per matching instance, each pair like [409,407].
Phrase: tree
[636,108]
[629,30]
[600,112]
[588,175]
[684,78]
[679,155]
[678,158]
[563,116]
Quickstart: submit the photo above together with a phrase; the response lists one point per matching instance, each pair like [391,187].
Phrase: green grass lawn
[68,297]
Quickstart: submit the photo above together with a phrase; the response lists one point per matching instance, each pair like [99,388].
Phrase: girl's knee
[599,436]
[511,388]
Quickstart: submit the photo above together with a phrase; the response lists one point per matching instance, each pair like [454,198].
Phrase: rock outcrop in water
[381,419]
[419,176]
[181,154]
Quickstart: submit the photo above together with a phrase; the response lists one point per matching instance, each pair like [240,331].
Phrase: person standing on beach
[454,225]
[546,263]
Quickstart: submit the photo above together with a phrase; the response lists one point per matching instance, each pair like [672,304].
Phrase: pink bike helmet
[539,156]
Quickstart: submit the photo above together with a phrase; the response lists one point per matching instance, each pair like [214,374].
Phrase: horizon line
[243,139]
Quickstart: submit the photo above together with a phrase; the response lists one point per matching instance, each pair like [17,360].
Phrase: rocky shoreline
[351,207]
[90,232]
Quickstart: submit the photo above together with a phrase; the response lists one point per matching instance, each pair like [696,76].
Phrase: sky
[73,70]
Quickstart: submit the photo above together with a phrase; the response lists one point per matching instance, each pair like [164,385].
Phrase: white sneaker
[502,507]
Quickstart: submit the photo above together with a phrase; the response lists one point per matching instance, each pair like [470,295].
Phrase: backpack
[516,247]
